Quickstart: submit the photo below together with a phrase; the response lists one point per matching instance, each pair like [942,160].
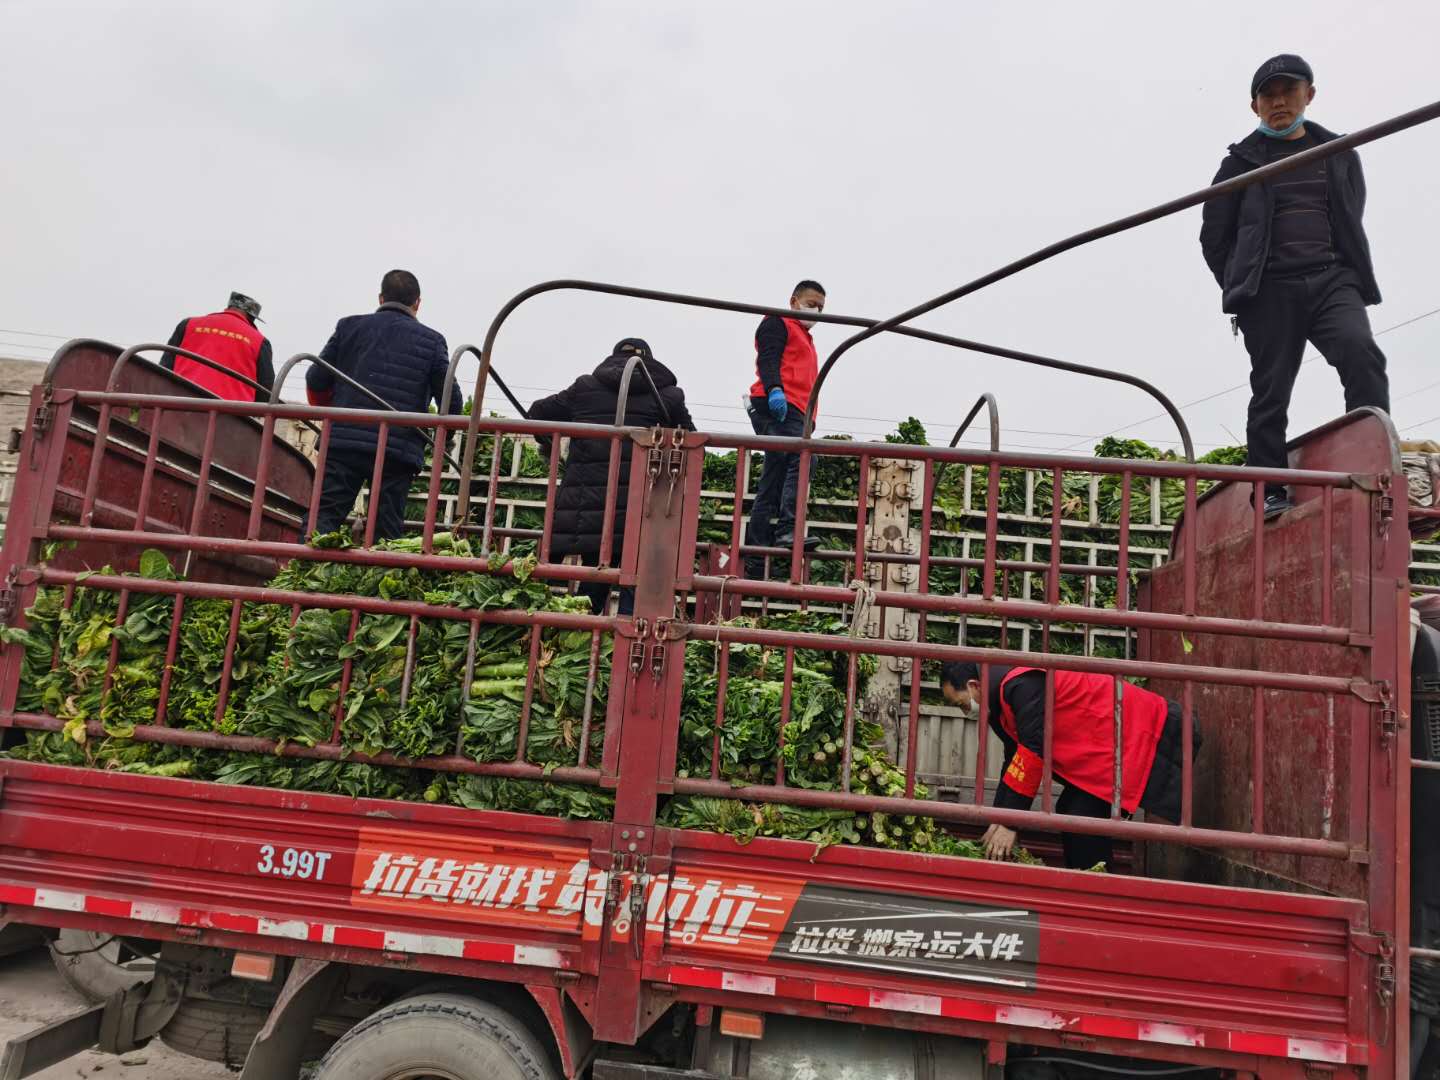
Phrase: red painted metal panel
[1200,972]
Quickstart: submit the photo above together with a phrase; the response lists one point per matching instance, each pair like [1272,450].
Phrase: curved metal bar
[580,285]
[1174,206]
[451,381]
[624,399]
[349,381]
[988,400]
[175,350]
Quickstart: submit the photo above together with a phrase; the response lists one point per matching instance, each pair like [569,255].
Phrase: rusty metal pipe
[1261,175]
[1016,819]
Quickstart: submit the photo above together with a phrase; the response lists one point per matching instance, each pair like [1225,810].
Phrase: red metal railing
[1187,621]
[24,546]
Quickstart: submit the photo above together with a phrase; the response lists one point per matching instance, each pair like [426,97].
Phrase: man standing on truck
[579,522]
[785,371]
[1293,263]
[229,338]
[394,356]
[1082,742]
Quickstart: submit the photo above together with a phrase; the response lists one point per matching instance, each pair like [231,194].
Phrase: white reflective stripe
[1327,1050]
[58,900]
[743,983]
[1036,1018]
[295,929]
[928,1004]
[430,944]
[1173,1034]
[161,913]
[537,956]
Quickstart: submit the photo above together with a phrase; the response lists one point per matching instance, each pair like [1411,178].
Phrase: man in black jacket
[579,519]
[1082,748]
[394,356]
[1293,263]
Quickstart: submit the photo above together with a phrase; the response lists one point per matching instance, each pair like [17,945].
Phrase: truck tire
[97,965]
[438,1037]
[214,1030]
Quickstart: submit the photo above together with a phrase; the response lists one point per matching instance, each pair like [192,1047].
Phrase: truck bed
[1063,958]
[624,918]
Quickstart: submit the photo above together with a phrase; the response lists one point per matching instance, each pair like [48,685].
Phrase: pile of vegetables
[300,677]
[288,676]
[812,749]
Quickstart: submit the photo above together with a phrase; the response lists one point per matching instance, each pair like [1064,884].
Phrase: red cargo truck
[1267,933]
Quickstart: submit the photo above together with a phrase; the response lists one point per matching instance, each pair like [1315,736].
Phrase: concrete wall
[16,379]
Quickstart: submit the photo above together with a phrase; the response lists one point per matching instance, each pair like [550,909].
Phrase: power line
[33,333]
[1313,355]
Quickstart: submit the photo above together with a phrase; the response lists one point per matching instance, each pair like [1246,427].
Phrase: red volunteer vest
[798,367]
[1083,740]
[227,338]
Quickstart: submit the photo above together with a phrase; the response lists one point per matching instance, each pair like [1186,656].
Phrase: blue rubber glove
[778,405]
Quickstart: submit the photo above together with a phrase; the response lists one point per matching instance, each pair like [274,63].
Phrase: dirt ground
[32,993]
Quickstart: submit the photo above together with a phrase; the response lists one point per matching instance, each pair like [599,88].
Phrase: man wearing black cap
[1293,263]
[230,339]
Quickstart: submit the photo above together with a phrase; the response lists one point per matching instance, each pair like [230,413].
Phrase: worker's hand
[998,842]
[778,405]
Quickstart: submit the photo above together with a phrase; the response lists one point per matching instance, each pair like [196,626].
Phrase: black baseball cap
[1284,66]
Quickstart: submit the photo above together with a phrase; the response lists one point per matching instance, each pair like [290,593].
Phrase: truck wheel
[438,1037]
[96,965]
[214,1030]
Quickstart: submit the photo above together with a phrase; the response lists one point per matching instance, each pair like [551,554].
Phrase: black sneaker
[787,540]
[1276,503]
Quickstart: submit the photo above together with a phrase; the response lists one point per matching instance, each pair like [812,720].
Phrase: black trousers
[345,475]
[1081,850]
[1326,310]
[599,594]
[779,483]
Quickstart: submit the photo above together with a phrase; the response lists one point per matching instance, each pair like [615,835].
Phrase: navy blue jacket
[1235,232]
[394,355]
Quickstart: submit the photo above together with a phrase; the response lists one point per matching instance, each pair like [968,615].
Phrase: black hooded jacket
[591,399]
[1235,232]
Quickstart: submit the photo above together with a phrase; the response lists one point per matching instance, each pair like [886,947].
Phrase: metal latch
[7,605]
[1384,506]
[638,883]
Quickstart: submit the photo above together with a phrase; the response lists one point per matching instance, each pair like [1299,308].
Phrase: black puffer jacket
[591,399]
[394,355]
[1235,232]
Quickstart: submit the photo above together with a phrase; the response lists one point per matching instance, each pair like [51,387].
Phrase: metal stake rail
[1187,621]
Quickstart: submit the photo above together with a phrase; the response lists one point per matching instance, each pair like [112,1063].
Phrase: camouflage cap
[245,304]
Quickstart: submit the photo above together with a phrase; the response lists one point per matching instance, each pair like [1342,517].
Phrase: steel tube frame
[573,284]
[1016,819]
[385,406]
[1036,611]
[1174,206]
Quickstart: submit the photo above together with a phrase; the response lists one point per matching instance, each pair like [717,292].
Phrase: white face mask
[970,709]
[808,323]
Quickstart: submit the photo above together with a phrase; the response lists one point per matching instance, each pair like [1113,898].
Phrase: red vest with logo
[1082,743]
[798,367]
[227,338]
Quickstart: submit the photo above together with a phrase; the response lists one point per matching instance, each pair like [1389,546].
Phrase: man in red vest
[1082,748]
[230,339]
[785,370]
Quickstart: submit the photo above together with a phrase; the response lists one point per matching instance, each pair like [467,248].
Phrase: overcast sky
[158,155]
